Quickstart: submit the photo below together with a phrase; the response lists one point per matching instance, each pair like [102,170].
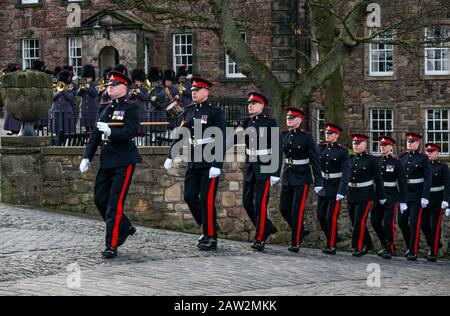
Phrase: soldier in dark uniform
[141,98]
[335,166]
[439,197]
[118,159]
[259,170]
[167,97]
[383,217]
[62,111]
[154,76]
[361,193]
[418,178]
[89,95]
[11,124]
[184,87]
[301,154]
[105,99]
[202,174]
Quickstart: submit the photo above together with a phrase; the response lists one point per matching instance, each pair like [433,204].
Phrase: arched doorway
[109,56]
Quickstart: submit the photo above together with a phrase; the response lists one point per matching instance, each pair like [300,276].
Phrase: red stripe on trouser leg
[394,227]
[211,208]
[416,241]
[337,206]
[301,214]
[362,228]
[115,234]
[262,221]
[438,234]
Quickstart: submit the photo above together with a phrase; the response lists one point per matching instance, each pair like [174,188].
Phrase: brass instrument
[147,85]
[181,88]
[83,84]
[135,90]
[102,85]
[61,86]
[2,74]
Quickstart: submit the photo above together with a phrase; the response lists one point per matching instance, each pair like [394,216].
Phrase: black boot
[366,249]
[259,245]
[357,254]
[387,255]
[208,244]
[412,257]
[329,251]
[294,248]
[109,253]
[131,232]
[432,259]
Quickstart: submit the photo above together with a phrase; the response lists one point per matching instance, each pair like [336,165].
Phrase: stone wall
[49,177]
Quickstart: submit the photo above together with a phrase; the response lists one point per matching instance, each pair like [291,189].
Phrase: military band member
[184,87]
[154,77]
[418,178]
[439,197]
[139,95]
[89,94]
[62,110]
[259,162]
[168,96]
[383,217]
[202,174]
[301,154]
[365,173]
[118,158]
[335,167]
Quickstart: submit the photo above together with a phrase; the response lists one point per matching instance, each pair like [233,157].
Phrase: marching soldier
[383,217]
[418,178]
[118,159]
[301,154]
[259,175]
[335,166]
[202,174]
[439,195]
[89,94]
[362,193]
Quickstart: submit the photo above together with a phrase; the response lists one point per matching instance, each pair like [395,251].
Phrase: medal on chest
[118,115]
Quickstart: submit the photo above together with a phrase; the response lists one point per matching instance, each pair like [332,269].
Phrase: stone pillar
[20,173]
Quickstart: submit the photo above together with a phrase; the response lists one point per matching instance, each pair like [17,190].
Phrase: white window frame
[146,57]
[75,60]
[375,133]
[320,121]
[29,2]
[230,63]
[444,133]
[444,50]
[27,61]
[375,49]
[186,55]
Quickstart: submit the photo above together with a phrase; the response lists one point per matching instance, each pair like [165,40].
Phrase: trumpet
[181,88]
[2,74]
[83,84]
[61,86]
[102,85]
[135,89]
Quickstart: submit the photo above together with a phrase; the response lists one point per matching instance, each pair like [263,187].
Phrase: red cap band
[200,84]
[413,137]
[333,129]
[432,147]
[387,141]
[359,138]
[118,79]
[255,98]
[295,113]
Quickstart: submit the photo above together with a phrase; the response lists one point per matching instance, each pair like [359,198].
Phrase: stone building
[387,89]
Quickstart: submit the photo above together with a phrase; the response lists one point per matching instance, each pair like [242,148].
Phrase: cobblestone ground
[38,250]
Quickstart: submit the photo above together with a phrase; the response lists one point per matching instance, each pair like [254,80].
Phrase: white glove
[103,127]
[274,180]
[403,207]
[214,172]
[318,189]
[84,165]
[168,164]
[153,98]
[424,202]
[339,197]
[444,204]
[447,212]
[382,202]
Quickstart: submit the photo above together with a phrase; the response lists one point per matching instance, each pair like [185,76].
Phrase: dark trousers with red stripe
[292,207]
[358,213]
[200,195]
[383,220]
[409,223]
[255,200]
[328,216]
[110,193]
[431,227]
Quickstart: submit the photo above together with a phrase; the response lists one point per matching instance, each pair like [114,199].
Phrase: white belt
[415,181]
[437,189]
[202,141]
[262,152]
[390,184]
[360,184]
[332,175]
[297,162]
